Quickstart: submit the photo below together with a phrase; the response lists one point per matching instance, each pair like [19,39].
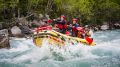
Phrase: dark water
[24,54]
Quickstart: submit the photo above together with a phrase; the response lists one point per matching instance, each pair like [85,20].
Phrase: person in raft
[89,35]
[81,32]
[62,24]
[75,25]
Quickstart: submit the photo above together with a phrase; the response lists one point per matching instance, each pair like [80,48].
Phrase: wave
[24,53]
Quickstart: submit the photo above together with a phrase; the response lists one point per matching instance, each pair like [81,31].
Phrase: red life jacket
[89,40]
[62,26]
[74,29]
[65,26]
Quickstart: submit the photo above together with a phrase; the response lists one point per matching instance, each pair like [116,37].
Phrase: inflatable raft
[56,38]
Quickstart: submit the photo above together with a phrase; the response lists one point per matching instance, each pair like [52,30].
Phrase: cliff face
[4,39]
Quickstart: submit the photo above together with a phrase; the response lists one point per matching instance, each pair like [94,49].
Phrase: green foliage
[91,11]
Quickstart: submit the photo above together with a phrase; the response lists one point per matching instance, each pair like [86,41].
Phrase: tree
[90,11]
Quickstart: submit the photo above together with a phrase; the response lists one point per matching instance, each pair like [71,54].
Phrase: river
[23,53]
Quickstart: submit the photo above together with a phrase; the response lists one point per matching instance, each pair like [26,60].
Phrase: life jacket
[74,28]
[49,21]
[89,40]
[80,35]
[62,26]
[81,32]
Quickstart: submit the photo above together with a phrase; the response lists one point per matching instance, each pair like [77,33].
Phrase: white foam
[69,52]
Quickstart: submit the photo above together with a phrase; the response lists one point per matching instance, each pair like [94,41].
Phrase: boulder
[25,30]
[16,31]
[104,27]
[4,39]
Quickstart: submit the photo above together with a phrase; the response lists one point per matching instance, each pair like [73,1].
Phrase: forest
[88,11]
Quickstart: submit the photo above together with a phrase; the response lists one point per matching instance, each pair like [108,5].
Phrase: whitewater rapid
[23,53]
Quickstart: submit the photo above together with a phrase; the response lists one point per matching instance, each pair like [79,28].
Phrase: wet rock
[117,26]
[25,30]
[16,31]
[4,39]
[104,27]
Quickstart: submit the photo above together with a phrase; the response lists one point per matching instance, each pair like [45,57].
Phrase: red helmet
[74,19]
[63,16]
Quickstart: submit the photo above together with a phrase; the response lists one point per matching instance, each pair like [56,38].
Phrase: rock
[4,39]
[16,31]
[25,30]
[104,27]
[117,26]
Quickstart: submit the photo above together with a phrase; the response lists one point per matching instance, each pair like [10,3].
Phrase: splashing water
[23,53]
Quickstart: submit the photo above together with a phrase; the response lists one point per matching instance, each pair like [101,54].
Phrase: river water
[23,53]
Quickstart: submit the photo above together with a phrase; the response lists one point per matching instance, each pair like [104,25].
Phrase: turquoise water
[23,53]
